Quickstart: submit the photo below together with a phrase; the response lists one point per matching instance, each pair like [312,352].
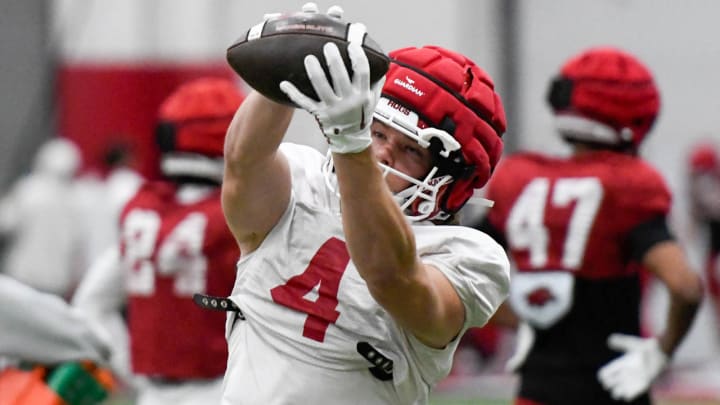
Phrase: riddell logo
[408,84]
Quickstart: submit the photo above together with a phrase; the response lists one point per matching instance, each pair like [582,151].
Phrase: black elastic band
[382,366]
[646,235]
[217,304]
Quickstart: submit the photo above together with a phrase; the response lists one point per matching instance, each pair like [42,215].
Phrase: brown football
[275,49]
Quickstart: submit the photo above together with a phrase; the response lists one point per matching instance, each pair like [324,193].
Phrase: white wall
[191,30]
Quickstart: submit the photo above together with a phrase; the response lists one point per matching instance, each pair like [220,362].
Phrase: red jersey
[171,248]
[574,214]
[576,229]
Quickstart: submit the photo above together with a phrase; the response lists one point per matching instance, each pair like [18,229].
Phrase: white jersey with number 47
[307,308]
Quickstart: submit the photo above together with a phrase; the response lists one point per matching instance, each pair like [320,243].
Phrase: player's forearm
[101,293]
[255,132]
[255,167]
[681,314]
[379,238]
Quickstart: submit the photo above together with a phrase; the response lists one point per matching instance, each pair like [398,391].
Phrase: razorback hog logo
[539,297]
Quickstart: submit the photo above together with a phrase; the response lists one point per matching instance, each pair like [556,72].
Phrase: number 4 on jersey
[324,271]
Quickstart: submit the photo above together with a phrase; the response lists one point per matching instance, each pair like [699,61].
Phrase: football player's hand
[346,105]
[307,8]
[632,373]
[333,11]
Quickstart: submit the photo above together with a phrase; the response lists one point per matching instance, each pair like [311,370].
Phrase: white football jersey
[307,308]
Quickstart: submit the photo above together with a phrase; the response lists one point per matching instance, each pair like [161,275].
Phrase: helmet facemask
[422,199]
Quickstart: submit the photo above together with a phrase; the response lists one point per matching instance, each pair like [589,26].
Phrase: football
[275,49]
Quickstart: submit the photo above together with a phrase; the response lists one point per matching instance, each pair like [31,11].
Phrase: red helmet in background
[447,104]
[605,96]
[192,123]
[704,158]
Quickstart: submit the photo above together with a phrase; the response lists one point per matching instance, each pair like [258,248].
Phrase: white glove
[345,113]
[632,373]
[312,8]
[333,11]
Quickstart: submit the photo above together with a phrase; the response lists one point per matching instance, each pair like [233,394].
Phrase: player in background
[40,218]
[704,188]
[352,289]
[580,230]
[174,243]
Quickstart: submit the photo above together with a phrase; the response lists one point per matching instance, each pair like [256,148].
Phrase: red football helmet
[605,96]
[192,123]
[446,103]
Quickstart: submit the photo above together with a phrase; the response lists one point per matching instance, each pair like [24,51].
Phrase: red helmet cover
[438,84]
[704,158]
[613,87]
[200,112]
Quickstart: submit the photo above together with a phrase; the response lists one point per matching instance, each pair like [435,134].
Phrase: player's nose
[383,152]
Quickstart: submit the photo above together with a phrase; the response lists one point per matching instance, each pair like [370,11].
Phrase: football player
[40,214]
[581,230]
[705,207]
[174,243]
[352,288]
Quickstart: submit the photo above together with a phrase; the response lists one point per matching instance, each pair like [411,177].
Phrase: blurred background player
[103,194]
[174,242]
[40,218]
[704,188]
[355,286]
[580,231]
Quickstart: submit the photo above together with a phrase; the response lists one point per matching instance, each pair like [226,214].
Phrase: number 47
[526,223]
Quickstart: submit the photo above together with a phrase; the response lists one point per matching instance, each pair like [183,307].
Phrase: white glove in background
[631,374]
[345,113]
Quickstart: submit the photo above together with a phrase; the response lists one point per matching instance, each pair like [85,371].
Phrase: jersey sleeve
[476,265]
[642,193]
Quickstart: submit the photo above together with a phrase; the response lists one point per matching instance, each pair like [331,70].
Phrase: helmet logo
[409,86]
[399,107]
